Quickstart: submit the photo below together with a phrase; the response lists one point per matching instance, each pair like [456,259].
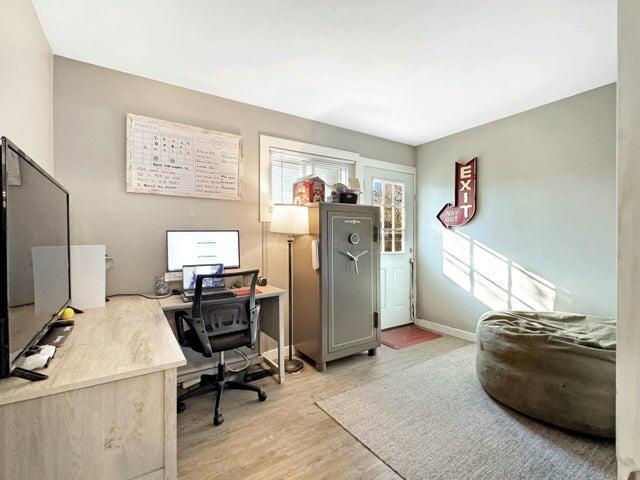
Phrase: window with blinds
[288,166]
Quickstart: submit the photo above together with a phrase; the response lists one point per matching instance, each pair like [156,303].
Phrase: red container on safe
[308,190]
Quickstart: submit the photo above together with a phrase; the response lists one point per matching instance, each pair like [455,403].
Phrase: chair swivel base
[219,383]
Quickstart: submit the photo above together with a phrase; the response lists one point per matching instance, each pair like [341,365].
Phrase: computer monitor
[202,247]
[190,274]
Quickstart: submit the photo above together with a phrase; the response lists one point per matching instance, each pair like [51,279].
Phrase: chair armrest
[179,315]
[197,325]
[254,316]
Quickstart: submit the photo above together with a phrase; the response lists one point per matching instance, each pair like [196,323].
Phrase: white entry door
[393,192]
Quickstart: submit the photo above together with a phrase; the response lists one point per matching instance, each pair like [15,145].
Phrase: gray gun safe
[336,308]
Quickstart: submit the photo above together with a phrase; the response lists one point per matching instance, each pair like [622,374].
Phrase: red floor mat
[401,337]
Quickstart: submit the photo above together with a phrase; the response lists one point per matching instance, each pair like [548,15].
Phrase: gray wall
[26,82]
[90,104]
[544,233]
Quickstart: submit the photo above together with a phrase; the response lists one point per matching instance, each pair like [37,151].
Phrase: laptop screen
[191,272]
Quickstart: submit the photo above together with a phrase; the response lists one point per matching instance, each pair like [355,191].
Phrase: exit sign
[466,189]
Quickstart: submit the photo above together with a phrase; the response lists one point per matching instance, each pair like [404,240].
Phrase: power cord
[246,362]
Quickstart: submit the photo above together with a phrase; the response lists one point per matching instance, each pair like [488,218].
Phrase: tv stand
[28,374]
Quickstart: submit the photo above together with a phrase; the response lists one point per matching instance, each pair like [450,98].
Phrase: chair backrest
[227,315]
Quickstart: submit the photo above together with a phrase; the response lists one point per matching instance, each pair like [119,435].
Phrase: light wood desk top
[175,302]
[130,336]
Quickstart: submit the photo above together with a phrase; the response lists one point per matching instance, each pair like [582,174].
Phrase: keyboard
[208,294]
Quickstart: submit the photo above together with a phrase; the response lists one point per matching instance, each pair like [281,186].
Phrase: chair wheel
[218,419]
[262,396]
[181,407]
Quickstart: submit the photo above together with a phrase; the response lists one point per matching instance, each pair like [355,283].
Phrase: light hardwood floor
[288,436]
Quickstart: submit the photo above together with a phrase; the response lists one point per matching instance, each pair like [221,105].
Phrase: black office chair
[215,326]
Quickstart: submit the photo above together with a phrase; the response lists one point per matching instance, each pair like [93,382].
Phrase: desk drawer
[110,431]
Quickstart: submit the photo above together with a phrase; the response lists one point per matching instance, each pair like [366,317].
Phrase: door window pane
[398,194]
[377,192]
[388,217]
[398,220]
[398,240]
[388,241]
[389,196]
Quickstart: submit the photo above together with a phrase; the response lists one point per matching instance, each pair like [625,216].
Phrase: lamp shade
[291,219]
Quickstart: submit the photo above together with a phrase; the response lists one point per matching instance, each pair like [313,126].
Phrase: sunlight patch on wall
[457,245]
[531,290]
[491,265]
[491,277]
[489,293]
[456,271]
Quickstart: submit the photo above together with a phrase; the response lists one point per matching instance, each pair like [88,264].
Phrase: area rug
[406,336]
[434,421]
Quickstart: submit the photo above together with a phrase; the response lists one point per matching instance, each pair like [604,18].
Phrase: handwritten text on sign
[174,159]
[466,189]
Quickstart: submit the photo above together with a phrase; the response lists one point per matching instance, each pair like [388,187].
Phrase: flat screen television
[34,255]
[202,247]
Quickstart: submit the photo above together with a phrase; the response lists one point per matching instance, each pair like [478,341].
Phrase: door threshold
[398,326]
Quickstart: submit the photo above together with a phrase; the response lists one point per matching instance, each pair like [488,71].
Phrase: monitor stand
[28,374]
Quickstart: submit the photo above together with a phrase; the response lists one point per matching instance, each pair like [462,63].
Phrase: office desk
[108,408]
[272,324]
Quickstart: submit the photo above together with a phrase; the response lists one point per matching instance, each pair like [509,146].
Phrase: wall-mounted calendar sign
[466,188]
[169,158]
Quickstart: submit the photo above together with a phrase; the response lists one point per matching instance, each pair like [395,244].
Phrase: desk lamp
[293,220]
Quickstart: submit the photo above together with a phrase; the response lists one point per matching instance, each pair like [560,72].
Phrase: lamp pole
[291,365]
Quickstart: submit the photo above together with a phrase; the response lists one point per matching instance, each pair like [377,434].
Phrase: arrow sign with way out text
[466,188]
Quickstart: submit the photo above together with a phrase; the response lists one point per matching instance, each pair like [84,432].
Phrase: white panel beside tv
[88,279]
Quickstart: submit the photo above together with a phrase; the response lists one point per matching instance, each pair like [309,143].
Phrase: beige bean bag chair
[556,367]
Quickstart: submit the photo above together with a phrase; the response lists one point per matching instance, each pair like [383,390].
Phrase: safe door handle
[355,258]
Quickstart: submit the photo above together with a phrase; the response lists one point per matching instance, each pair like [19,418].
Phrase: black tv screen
[35,254]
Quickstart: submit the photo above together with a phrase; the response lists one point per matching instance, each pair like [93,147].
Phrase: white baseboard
[438,327]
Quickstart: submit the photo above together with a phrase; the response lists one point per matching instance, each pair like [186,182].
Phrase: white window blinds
[288,166]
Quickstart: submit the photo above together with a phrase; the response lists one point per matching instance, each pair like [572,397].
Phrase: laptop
[211,287]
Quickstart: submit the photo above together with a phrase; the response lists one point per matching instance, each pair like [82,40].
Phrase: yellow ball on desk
[67,313]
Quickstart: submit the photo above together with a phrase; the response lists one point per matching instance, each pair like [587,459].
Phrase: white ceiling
[407,70]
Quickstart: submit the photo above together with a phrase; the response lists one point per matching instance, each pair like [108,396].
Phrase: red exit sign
[466,189]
